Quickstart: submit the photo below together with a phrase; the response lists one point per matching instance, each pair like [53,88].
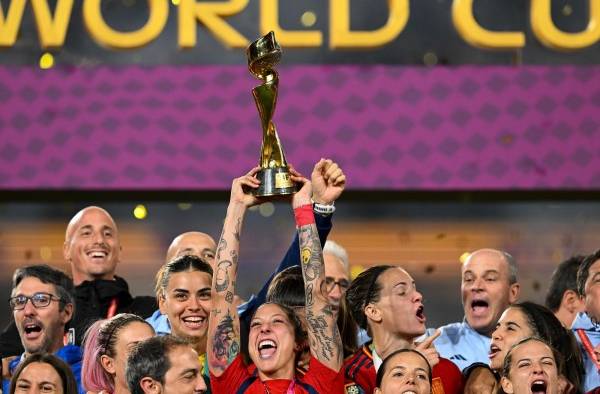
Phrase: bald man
[92,248]
[488,286]
[193,243]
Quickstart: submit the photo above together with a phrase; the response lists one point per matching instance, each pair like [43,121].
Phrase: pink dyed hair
[93,376]
[100,339]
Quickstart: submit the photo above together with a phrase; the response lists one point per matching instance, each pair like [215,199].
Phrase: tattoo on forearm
[223,335]
[225,346]
[222,275]
[305,255]
[324,336]
[222,244]
[308,292]
[229,297]
[238,227]
[234,257]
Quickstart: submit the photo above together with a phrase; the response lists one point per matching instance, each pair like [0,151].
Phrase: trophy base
[274,182]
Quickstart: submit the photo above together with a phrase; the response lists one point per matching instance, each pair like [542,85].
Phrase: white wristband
[323,209]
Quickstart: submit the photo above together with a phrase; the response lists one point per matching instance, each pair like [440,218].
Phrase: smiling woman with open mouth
[276,335]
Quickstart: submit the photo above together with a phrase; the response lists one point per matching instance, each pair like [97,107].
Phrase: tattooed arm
[328,182]
[323,334]
[224,326]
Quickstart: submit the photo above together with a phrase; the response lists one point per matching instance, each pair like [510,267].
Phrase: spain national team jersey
[238,379]
[360,375]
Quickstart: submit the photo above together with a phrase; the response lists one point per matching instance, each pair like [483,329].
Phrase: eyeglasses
[331,282]
[38,300]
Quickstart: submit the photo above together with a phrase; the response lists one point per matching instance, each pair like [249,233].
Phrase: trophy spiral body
[263,54]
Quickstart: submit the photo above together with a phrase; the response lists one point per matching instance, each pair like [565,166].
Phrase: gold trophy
[263,54]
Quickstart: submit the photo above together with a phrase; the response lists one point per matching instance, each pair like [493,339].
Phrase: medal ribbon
[588,347]
[112,308]
[291,387]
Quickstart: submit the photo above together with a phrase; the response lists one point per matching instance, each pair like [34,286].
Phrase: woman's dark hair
[364,290]
[287,288]
[185,263]
[348,329]
[508,358]
[62,369]
[386,361]
[548,328]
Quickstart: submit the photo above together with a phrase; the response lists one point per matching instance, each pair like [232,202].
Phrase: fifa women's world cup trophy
[263,54]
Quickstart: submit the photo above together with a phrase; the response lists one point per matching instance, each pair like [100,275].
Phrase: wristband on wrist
[323,209]
[304,215]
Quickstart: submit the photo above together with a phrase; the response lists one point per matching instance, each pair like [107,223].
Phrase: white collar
[377,361]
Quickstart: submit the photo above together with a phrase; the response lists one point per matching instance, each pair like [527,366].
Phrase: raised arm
[224,326]
[328,182]
[323,334]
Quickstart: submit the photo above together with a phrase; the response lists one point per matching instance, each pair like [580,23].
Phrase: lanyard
[290,390]
[588,347]
[112,308]
[291,387]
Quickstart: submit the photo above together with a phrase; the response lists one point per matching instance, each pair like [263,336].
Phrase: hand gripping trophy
[263,54]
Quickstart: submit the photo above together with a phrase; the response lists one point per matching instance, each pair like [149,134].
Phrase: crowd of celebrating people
[309,329]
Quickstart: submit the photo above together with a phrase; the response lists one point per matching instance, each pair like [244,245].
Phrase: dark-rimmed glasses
[331,282]
[38,300]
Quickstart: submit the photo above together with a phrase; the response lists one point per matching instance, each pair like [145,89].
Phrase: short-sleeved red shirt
[237,379]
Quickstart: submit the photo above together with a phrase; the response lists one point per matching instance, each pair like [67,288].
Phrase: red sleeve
[447,378]
[359,370]
[322,378]
[231,379]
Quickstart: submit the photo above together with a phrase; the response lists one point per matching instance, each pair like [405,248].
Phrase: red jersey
[238,379]
[360,375]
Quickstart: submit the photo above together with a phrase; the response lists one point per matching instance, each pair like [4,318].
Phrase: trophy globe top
[263,54]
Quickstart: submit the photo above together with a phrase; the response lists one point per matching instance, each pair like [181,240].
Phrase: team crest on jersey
[352,388]
[437,387]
